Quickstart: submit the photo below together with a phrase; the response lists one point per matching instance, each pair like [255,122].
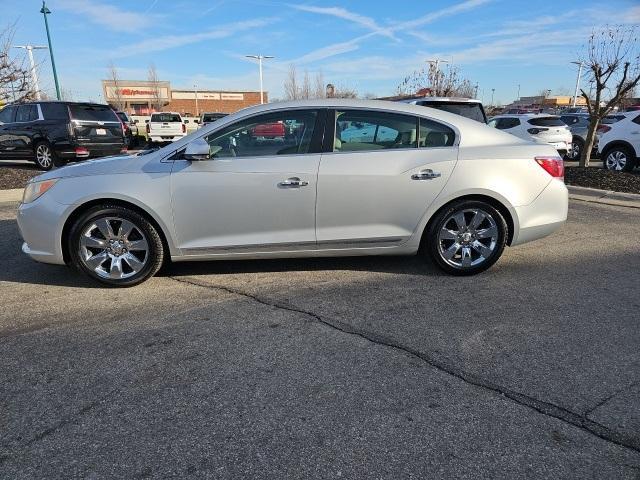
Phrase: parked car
[467,107]
[269,131]
[130,128]
[536,128]
[165,127]
[578,124]
[210,117]
[619,146]
[52,133]
[447,187]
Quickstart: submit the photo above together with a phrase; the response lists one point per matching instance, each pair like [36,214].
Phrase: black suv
[52,133]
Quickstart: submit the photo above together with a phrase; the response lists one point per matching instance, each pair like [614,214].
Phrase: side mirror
[200,150]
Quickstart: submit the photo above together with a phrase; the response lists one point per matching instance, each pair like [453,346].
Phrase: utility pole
[493,90]
[260,58]
[197,110]
[436,63]
[575,94]
[518,98]
[45,11]
[475,93]
[34,73]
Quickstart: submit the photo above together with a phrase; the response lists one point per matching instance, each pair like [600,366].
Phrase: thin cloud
[444,12]
[344,14]
[156,44]
[109,16]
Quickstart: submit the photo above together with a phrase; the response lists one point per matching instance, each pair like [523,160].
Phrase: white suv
[619,147]
[539,128]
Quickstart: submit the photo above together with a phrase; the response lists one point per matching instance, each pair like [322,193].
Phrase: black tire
[152,260]
[435,246]
[44,156]
[576,151]
[612,159]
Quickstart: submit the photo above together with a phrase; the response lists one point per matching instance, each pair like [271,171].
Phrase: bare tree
[291,84]
[15,78]
[319,89]
[305,90]
[345,92]
[117,91]
[154,85]
[442,82]
[612,61]
[67,95]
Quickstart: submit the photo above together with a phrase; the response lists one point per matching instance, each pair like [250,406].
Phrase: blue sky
[366,45]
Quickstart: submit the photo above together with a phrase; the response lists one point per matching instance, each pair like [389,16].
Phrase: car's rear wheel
[44,156]
[467,237]
[115,246]
[577,145]
[619,159]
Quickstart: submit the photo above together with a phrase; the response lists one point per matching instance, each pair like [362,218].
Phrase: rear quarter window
[54,111]
[546,122]
[93,113]
[469,110]
[7,114]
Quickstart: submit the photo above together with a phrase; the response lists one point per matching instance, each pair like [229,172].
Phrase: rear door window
[507,123]
[54,111]
[360,130]
[546,122]
[93,113]
[27,113]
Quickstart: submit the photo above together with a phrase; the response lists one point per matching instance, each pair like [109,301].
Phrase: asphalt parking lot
[330,368]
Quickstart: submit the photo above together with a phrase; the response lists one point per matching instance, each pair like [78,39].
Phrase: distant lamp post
[34,74]
[196,92]
[260,58]
[475,92]
[518,98]
[493,90]
[575,94]
[45,11]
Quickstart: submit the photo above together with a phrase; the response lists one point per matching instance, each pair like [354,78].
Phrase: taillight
[81,152]
[553,165]
[184,128]
[603,128]
[535,131]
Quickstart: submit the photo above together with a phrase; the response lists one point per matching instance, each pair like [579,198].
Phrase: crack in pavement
[546,408]
[608,398]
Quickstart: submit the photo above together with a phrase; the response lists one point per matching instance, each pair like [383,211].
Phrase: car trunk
[550,129]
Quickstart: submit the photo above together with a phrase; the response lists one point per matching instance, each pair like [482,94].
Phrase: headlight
[35,190]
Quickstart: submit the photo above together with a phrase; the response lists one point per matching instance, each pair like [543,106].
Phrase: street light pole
[436,63]
[197,110]
[575,94]
[45,11]
[34,74]
[493,90]
[260,58]
[518,92]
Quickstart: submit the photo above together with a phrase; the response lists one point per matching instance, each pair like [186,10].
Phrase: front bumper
[40,223]
[544,215]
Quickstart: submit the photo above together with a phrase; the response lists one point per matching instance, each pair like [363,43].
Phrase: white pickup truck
[166,127]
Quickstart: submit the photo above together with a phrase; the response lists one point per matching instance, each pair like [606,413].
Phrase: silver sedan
[300,179]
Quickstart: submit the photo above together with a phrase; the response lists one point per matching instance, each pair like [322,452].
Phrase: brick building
[138,97]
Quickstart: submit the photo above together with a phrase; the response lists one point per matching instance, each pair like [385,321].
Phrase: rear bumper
[544,215]
[94,150]
[166,138]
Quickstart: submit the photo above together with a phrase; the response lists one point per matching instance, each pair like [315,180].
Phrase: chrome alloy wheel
[575,151]
[616,160]
[467,238]
[113,248]
[43,155]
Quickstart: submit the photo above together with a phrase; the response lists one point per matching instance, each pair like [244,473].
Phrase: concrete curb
[604,197]
[13,195]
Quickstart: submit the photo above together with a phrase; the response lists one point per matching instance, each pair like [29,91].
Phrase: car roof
[440,99]
[527,115]
[162,113]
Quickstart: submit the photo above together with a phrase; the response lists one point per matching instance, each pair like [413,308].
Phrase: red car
[269,130]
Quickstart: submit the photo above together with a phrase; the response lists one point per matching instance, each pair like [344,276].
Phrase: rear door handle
[293,182]
[427,174]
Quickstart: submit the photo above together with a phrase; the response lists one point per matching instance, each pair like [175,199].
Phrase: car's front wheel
[115,246]
[467,237]
[619,158]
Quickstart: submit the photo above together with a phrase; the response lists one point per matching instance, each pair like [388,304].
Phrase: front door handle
[293,182]
[427,174]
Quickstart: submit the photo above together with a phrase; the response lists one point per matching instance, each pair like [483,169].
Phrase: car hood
[107,165]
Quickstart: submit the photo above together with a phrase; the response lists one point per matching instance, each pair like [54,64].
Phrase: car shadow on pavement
[407,265]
